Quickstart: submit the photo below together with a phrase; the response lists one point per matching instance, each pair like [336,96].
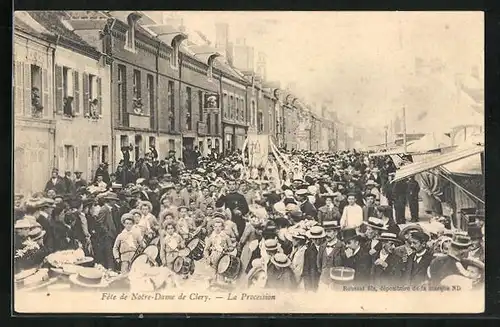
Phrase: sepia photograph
[248,162]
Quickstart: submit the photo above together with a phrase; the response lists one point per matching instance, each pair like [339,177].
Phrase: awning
[398,150]
[447,158]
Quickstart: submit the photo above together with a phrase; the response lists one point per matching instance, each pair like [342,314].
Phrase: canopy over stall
[444,159]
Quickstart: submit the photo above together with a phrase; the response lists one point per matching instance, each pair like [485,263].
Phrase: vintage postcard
[248,162]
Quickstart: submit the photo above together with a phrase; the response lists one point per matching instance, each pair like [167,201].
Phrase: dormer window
[176,43]
[130,37]
[211,61]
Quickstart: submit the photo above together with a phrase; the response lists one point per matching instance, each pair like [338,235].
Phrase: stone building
[33,105]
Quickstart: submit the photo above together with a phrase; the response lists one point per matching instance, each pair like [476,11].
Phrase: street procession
[122,184]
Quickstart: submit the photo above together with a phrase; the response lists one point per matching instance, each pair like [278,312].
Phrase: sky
[362,62]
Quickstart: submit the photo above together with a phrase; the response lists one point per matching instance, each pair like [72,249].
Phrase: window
[189,109]
[216,123]
[69,158]
[130,36]
[122,90]
[260,122]
[226,106]
[136,93]
[171,105]
[36,90]
[237,114]
[200,105]
[231,107]
[253,113]
[68,95]
[209,123]
[151,93]
[244,110]
[124,140]
[171,145]
[105,153]
[174,59]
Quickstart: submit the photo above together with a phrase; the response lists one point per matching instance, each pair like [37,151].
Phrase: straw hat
[145,203]
[376,223]
[281,260]
[316,232]
[390,237]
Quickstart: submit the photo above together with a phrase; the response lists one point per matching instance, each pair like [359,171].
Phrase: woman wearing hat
[280,275]
[328,212]
[387,267]
[28,245]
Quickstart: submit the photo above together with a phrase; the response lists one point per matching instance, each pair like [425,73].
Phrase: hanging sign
[211,103]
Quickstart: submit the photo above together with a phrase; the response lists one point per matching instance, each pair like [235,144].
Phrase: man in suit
[415,272]
[356,257]
[450,264]
[68,182]
[330,252]
[44,218]
[56,183]
[387,267]
[370,241]
[311,272]
[369,208]
[412,198]
[79,181]
[106,232]
[305,205]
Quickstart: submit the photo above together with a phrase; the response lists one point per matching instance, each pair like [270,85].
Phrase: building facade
[81,98]
[33,106]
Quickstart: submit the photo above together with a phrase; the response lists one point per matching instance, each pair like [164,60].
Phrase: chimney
[229,53]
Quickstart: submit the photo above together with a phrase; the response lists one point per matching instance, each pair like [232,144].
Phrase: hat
[281,260]
[342,274]
[47,203]
[182,207]
[330,195]
[296,215]
[376,223]
[461,240]
[473,262]
[375,170]
[295,233]
[420,236]
[371,182]
[23,223]
[89,277]
[111,196]
[140,181]
[312,189]
[145,203]
[302,191]
[126,216]
[474,232]
[217,220]
[331,225]
[36,233]
[349,234]
[316,232]
[390,237]
[78,171]
[410,229]
[271,245]
[167,186]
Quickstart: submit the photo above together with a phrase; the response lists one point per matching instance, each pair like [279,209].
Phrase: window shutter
[60,158]
[27,89]
[18,85]
[86,104]
[45,88]
[129,88]
[99,96]
[76,92]
[59,89]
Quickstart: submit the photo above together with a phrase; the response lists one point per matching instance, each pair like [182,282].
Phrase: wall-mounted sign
[211,103]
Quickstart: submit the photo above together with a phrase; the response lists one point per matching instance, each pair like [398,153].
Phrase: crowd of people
[303,221]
